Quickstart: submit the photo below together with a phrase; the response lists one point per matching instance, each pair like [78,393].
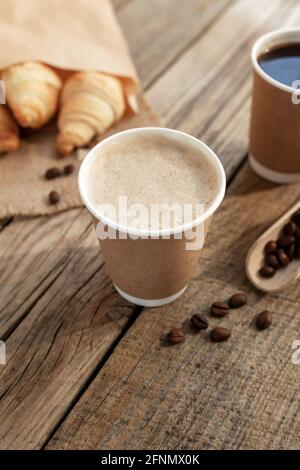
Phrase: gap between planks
[241,394]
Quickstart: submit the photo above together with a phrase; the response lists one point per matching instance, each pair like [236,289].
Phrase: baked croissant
[9,131]
[90,103]
[32,91]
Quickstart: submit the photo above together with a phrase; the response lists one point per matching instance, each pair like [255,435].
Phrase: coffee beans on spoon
[279,253]
[272,260]
[289,228]
[271,247]
[285,240]
[267,271]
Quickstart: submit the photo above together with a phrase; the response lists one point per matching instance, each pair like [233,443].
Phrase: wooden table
[88,370]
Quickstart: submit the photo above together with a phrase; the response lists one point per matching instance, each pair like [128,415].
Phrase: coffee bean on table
[264,320]
[272,260]
[68,169]
[176,335]
[54,197]
[237,300]
[283,258]
[219,334]
[285,240]
[52,173]
[219,309]
[267,271]
[270,247]
[199,321]
[290,228]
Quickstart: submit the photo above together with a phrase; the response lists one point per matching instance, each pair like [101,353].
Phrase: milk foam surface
[151,170]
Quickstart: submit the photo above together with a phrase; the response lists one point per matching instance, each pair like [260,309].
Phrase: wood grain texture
[65,315]
[31,250]
[62,320]
[158,32]
[206,92]
[200,395]
[60,314]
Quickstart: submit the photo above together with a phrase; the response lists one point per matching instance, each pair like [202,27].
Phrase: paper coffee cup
[275,116]
[151,267]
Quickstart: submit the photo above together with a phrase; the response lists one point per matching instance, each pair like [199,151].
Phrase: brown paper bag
[70,35]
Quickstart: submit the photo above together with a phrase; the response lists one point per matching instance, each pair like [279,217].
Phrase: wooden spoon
[254,260]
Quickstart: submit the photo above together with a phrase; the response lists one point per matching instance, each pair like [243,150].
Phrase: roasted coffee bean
[219,309]
[199,321]
[289,228]
[285,240]
[68,169]
[283,258]
[291,251]
[52,173]
[296,217]
[266,271]
[272,260]
[264,320]
[219,334]
[270,247]
[237,300]
[176,335]
[54,197]
[297,233]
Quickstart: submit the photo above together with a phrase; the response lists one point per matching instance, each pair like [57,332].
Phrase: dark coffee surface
[282,63]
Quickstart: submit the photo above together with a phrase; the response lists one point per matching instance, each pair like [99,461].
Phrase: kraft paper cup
[275,119]
[151,269]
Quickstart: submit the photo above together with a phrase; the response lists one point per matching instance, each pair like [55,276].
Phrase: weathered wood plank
[49,365]
[200,395]
[33,253]
[73,318]
[60,314]
[206,92]
[27,268]
[160,30]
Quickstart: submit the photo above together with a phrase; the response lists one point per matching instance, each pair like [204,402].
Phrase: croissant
[9,131]
[32,91]
[90,103]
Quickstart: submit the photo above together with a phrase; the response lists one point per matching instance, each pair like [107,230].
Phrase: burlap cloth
[70,35]
[23,188]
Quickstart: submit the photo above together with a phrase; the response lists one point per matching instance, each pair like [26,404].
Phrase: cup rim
[165,231]
[258,45]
